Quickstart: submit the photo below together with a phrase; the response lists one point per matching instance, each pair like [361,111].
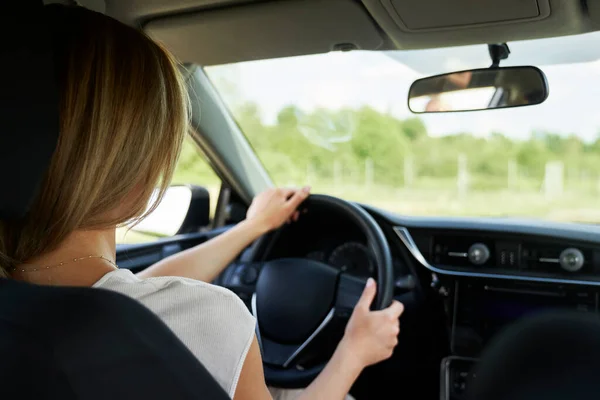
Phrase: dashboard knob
[571,259]
[478,254]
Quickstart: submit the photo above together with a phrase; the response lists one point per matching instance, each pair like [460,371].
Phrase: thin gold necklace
[74,260]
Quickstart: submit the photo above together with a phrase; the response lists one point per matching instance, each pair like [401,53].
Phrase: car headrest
[29,118]
[552,356]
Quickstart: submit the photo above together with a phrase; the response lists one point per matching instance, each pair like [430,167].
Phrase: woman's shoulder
[176,293]
[163,285]
[210,320]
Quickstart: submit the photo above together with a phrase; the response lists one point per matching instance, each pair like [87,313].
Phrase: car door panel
[140,256]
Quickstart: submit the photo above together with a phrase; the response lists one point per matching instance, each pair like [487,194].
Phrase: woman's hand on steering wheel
[371,336]
[273,207]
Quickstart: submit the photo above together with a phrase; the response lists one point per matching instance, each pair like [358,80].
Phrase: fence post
[409,175]
[337,174]
[310,173]
[369,173]
[462,179]
[554,179]
[513,174]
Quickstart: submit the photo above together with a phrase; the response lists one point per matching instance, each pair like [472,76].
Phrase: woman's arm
[333,383]
[204,262]
[336,379]
[251,383]
[370,337]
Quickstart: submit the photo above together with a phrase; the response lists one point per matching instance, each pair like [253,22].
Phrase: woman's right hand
[273,207]
[371,336]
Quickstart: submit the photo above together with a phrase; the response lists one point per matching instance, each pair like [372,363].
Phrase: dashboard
[352,257]
[506,256]
[490,273]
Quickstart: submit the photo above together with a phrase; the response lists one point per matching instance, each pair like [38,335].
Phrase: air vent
[476,252]
[556,259]
[463,251]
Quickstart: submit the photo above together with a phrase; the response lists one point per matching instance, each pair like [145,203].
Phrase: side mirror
[478,89]
[183,209]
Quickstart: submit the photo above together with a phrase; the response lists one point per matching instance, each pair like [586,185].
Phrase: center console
[455,375]
[483,309]
[492,274]
[479,309]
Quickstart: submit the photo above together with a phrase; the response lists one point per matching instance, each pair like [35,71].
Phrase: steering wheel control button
[407,282]
[478,254]
[571,259]
[349,291]
[249,275]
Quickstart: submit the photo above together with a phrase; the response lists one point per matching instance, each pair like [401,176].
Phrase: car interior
[463,279]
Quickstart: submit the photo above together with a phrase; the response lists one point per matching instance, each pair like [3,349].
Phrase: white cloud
[327,94]
[389,70]
[455,64]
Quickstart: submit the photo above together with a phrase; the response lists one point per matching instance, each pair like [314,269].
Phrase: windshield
[340,123]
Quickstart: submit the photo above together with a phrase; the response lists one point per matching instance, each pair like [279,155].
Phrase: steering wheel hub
[293,296]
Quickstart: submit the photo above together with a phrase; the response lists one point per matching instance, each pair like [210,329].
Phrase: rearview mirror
[478,89]
[183,209]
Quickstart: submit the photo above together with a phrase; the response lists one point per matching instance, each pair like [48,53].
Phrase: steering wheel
[295,299]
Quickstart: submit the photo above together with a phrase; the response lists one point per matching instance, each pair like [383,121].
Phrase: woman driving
[123,117]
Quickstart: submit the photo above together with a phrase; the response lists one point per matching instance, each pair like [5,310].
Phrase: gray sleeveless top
[211,321]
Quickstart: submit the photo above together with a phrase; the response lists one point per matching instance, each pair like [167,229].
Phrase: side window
[192,169]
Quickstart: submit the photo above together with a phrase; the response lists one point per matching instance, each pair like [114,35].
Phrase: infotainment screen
[495,310]
[483,310]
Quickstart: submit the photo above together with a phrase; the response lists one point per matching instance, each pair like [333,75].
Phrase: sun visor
[415,15]
[420,24]
[28,105]
[266,30]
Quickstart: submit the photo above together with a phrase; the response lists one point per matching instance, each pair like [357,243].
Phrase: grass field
[568,207]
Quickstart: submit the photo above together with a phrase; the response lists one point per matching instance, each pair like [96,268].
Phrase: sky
[382,79]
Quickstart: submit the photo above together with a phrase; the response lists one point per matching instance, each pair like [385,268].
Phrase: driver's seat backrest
[81,343]
[58,342]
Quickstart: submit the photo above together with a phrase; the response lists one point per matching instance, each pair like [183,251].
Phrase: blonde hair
[123,117]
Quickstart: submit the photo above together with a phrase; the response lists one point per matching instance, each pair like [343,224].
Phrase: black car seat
[551,356]
[68,343]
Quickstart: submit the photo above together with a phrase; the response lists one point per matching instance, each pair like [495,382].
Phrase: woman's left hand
[273,207]
[371,336]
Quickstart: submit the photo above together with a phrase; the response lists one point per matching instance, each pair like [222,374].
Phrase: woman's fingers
[298,197]
[392,341]
[294,217]
[395,309]
[393,312]
[368,294]
[390,323]
[287,192]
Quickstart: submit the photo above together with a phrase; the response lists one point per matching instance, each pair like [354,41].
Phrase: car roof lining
[209,32]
